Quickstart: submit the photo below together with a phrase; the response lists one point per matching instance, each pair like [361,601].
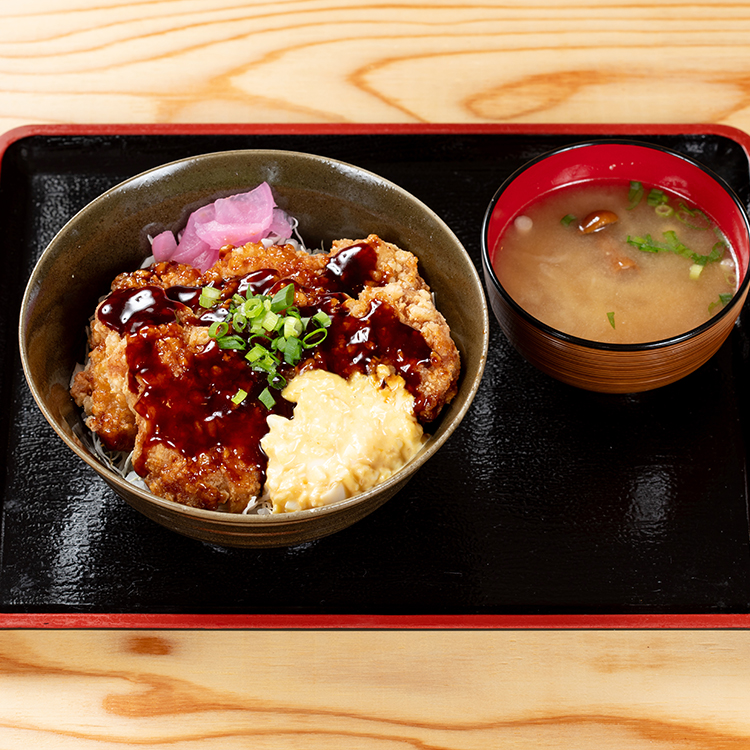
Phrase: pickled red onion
[236,220]
[163,246]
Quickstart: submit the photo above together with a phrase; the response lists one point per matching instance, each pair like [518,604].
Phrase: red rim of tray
[189,621]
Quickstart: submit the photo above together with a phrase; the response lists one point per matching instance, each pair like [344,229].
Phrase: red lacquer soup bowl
[594,365]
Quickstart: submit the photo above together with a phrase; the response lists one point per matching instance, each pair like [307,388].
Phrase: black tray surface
[547,500]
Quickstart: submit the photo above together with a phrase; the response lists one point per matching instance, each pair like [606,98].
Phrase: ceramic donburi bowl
[331,200]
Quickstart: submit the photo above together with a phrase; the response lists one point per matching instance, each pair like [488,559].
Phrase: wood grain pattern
[376,690]
[375,61]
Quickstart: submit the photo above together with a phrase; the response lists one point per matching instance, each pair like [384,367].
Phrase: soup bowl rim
[571,339]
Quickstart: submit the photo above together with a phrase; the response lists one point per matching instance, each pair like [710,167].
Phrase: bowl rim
[567,338]
[250,520]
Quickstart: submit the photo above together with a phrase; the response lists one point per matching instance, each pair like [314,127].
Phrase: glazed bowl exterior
[592,365]
[331,200]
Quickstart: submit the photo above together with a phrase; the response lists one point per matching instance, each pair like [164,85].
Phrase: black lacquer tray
[547,500]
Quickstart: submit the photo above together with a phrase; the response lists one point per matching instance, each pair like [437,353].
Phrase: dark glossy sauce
[190,408]
[360,344]
[185,295]
[193,412]
[351,268]
[127,310]
[264,281]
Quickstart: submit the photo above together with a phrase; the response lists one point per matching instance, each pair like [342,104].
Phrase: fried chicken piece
[102,391]
[291,263]
[393,263]
[182,460]
[403,289]
[198,482]
[180,455]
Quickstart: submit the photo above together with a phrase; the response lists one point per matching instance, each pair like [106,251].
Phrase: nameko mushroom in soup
[619,262]
[218,372]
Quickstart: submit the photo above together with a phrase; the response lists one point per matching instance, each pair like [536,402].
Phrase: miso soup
[619,263]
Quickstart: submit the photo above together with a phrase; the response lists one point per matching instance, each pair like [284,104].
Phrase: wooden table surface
[665,684]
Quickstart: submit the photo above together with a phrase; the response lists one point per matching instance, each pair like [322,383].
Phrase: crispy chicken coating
[164,389]
[399,284]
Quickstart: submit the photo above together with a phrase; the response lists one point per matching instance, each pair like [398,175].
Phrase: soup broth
[617,263]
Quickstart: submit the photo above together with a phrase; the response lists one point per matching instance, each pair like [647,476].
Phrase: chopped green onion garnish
[634,194]
[695,271]
[567,220]
[256,353]
[270,320]
[672,244]
[292,327]
[209,296]
[611,318]
[656,197]
[239,397]
[231,342]
[252,307]
[664,210]
[693,217]
[261,359]
[323,318]
[264,327]
[266,398]
[292,350]
[723,301]
[217,329]
[318,336]
[283,298]
[239,322]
